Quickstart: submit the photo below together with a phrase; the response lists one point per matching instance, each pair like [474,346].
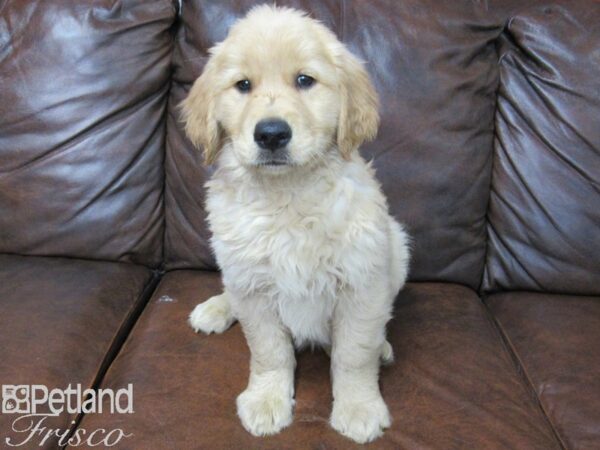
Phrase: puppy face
[282,91]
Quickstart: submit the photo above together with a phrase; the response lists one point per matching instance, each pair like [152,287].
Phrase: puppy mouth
[273,163]
[274,157]
[277,158]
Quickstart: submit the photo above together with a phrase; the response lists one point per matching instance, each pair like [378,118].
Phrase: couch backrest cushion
[544,216]
[434,65]
[83,88]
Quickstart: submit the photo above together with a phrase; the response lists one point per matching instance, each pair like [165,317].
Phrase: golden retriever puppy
[300,228]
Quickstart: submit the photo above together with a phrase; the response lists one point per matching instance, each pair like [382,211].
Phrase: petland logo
[35,403]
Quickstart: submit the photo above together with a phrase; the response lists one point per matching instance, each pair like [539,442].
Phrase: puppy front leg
[358,335]
[265,407]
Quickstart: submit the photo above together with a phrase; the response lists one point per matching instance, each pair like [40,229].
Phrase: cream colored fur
[308,251]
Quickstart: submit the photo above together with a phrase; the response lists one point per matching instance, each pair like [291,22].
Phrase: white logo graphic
[15,399]
[24,399]
[33,404]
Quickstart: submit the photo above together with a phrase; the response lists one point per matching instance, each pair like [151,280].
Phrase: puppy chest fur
[302,242]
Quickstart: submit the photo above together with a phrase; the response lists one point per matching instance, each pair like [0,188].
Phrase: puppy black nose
[272,134]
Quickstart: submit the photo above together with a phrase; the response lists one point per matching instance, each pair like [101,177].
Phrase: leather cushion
[59,319]
[434,66]
[84,90]
[545,200]
[453,384]
[557,341]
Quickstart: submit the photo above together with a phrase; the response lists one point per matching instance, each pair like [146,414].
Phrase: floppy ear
[359,116]
[198,108]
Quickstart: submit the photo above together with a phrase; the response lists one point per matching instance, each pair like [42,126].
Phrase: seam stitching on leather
[124,330]
[343,21]
[522,372]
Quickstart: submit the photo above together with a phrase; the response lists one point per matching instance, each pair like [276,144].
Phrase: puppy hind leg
[400,256]
[387,353]
[212,316]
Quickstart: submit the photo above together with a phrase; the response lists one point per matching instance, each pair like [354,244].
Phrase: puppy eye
[304,81]
[243,85]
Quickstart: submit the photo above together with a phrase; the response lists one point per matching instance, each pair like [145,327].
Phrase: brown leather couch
[489,152]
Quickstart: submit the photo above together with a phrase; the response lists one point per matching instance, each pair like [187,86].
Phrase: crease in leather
[177,6]
[495,138]
[133,160]
[569,163]
[508,249]
[550,122]
[101,124]
[515,170]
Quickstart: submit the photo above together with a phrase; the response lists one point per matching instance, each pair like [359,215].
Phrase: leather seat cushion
[453,384]
[61,319]
[557,341]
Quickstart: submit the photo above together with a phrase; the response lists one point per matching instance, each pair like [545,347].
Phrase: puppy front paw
[212,316]
[264,412]
[360,421]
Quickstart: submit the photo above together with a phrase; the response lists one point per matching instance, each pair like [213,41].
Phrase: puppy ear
[359,115]
[198,109]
